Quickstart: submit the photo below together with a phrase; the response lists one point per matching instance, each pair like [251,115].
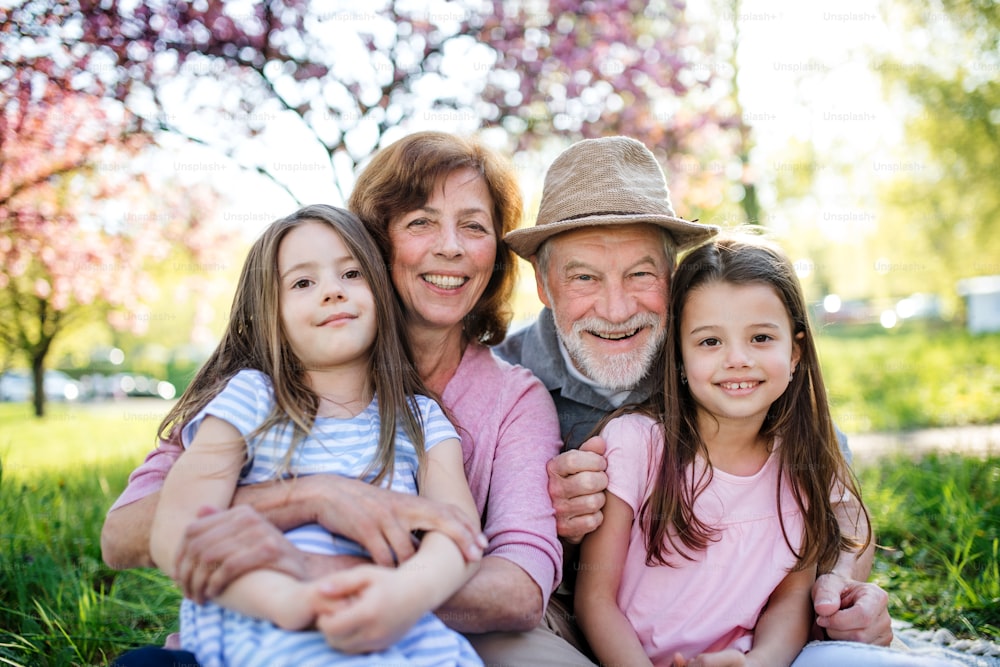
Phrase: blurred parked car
[848,311]
[15,386]
[920,307]
[126,385]
[18,386]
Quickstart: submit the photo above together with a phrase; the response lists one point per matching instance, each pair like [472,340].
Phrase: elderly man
[603,249]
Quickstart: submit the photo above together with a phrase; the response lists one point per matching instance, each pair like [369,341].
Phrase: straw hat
[599,182]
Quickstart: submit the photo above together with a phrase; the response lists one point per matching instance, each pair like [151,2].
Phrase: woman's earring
[684,378]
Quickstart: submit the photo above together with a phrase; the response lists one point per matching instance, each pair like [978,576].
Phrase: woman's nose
[449,242]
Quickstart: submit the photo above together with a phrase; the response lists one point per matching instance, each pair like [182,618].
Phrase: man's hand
[577,480]
[852,610]
[223,545]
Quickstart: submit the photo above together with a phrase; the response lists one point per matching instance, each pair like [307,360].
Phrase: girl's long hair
[809,456]
[255,339]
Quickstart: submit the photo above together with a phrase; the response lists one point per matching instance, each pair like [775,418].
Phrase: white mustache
[603,327]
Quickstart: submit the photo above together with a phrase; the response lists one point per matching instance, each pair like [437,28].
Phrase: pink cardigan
[509,430]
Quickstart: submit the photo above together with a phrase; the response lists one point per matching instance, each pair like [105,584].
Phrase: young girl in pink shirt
[722,489]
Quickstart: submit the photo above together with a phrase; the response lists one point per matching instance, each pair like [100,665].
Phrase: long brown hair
[255,339]
[402,177]
[809,457]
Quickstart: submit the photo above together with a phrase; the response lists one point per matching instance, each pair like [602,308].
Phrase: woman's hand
[383,521]
[222,545]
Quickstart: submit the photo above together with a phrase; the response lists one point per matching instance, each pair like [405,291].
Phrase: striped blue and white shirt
[220,637]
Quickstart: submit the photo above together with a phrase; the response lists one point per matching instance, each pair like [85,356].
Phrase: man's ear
[540,282]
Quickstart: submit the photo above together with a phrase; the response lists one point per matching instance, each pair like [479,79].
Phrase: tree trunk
[749,203]
[38,375]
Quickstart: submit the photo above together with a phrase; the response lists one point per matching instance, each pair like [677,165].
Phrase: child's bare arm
[781,631]
[371,606]
[206,474]
[783,627]
[602,557]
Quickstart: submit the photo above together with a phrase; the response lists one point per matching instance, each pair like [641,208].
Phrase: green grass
[938,531]
[937,520]
[912,378]
[74,435]
[59,604]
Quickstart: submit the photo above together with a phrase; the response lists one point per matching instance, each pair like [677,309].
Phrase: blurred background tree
[760,111]
[80,222]
[240,79]
[353,78]
[942,203]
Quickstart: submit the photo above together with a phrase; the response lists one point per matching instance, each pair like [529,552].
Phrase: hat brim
[525,241]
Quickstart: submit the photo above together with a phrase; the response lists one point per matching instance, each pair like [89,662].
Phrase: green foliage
[941,208]
[938,528]
[910,378]
[59,604]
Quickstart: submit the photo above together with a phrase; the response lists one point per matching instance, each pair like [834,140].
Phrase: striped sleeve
[437,428]
[244,403]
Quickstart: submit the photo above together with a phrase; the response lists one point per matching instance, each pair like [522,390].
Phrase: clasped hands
[359,610]
[222,545]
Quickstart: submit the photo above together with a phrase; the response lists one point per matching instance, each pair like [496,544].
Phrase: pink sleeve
[520,520]
[510,430]
[633,445]
[148,477]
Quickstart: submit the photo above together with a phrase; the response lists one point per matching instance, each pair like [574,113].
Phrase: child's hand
[367,608]
[727,658]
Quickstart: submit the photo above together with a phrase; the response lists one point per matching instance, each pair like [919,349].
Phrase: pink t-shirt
[712,602]
[509,430]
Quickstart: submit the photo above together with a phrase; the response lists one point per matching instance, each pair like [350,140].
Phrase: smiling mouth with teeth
[614,336]
[445,282]
[738,385]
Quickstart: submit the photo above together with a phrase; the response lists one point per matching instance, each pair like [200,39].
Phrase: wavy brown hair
[402,177]
[810,459]
[255,339]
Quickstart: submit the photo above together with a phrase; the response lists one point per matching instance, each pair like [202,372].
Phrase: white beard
[616,372]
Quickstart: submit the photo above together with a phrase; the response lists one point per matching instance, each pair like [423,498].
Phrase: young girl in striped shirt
[313,376]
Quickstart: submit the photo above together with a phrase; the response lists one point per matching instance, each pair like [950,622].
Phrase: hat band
[595,214]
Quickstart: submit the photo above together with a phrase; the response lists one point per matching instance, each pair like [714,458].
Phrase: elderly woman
[438,205]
